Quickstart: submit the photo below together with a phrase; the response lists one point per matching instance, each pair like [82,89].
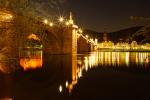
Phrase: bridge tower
[70,37]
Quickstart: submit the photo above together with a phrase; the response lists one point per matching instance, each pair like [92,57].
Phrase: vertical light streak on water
[113,58]
[118,58]
[127,60]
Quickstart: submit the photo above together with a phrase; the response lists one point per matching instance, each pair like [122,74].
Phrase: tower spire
[71,21]
[70,15]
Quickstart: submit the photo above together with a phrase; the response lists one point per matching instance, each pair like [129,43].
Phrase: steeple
[70,15]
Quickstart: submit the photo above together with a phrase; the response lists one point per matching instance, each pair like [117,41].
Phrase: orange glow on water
[31,59]
[30,63]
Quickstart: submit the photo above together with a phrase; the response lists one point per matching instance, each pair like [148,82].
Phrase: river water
[39,76]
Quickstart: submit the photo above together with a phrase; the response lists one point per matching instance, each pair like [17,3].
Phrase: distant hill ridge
[124,35]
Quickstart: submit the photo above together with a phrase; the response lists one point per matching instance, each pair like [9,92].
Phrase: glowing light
[91,40]
[127,58]
[96,41]
[71,22]
[5,16]
[74,31]
[31,60]
[34,37]
[45,21]
[67,84]
[60,88]
[30,63]
[9,17]
[147,60]
[67,23]
[124,46]
[87,36]
[75,26]
[79,73]
[86,63]
[80,30]
[51,24]
[61,19]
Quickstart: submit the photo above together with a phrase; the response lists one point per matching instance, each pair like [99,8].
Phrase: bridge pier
[61,41]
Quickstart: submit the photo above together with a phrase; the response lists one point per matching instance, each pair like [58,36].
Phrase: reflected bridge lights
[60,88]
[67,84]
[31,61]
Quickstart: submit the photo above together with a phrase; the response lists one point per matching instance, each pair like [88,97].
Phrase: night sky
[109,15]
[98,15]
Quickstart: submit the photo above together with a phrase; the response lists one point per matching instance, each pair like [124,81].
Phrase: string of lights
[70,23]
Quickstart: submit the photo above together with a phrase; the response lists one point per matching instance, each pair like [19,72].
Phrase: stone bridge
[21,32]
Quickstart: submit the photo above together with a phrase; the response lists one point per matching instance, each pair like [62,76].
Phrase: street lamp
[45,21]
[51,24]
[80,30]
[67,23]
[61,19]
[87,36]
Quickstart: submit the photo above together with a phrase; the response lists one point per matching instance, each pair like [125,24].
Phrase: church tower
[105,35]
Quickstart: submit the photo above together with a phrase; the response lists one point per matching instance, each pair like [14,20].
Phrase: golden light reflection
[7,98]
[67,84]
[31,60]
[104,59]
[60,88]
[86,63]
[31,63]
[127,58]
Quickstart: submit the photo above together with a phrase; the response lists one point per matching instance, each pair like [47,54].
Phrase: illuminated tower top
[70,15]
[71,21]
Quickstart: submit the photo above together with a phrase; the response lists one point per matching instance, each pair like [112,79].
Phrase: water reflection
[31,59]
[75,66]
[83,63]
[121,58]
[62,73]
